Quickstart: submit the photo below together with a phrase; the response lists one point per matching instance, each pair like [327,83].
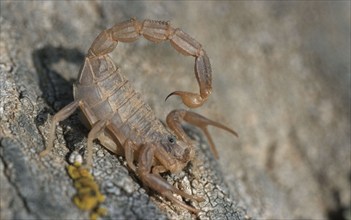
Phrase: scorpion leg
[59,116]
[94,133]
[175,117]
[129,148]
[151,178]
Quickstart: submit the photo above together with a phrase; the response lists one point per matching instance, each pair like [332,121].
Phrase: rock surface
[281,79]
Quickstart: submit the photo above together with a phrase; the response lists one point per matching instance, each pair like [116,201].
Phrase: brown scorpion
[124,123]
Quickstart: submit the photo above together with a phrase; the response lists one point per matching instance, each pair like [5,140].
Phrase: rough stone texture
[281,75]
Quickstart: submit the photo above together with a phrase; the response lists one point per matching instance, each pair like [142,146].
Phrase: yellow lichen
[88,196]
[98,213]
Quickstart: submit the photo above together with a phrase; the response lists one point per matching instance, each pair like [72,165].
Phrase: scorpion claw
[170,196]
[176,116]
[151,178]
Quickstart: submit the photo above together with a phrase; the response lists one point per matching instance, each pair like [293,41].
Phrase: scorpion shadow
[57,92]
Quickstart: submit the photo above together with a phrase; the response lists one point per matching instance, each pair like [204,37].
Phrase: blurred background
[281,79]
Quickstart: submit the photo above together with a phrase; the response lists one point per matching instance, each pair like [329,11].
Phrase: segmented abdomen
[107,95]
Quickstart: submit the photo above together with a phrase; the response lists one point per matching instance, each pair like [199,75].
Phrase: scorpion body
[124,123]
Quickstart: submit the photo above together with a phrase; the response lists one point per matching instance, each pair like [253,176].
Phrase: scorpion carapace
[124,123]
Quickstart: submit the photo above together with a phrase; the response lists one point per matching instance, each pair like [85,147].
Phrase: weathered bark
[281,79]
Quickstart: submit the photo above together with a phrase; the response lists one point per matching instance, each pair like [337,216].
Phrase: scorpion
[126,125]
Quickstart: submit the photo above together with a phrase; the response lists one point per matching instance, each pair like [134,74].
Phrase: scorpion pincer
[124,123]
